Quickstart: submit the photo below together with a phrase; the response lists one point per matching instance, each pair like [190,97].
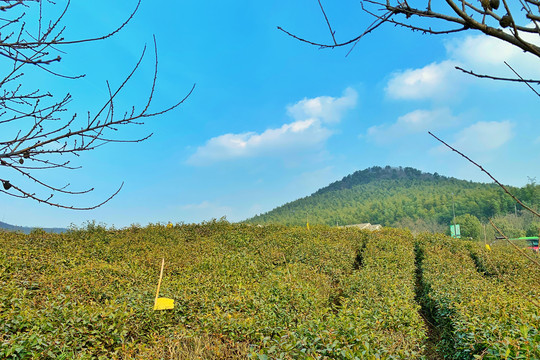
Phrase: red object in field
[533,243]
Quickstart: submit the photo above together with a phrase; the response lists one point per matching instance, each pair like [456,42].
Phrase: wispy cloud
[481,137]
[325,108]
[306,132]
[418,121]
[289,137]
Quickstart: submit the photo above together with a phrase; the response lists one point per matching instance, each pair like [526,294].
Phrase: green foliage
[397,196]
[477,315]
[533,229]
[374,315]
[509,266]
[510,225]
[268,292]
[264,291]
[470,227]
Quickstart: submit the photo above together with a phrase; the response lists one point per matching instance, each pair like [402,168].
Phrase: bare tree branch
[321,45]
[488,174]
[484,76]
[454,16]
[514,245]
[449,14]
[521,79]
[332,33]
[44,127]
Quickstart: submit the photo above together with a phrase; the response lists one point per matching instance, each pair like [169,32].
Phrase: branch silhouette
[44,127]
[486,172]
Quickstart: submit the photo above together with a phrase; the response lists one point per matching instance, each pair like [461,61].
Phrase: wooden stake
[160,277]
[287,265]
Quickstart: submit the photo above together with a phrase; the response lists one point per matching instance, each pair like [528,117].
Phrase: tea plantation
[271,292]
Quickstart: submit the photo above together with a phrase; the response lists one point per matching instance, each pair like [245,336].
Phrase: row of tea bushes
[239,291]
[374,316]
[477,316]
[269,292]
[508,265]
[74,297]
[89,293]
[382,297]
[259,284]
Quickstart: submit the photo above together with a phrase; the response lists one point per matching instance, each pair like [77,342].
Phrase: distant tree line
[404,197]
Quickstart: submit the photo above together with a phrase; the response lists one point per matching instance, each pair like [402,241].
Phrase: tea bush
[477,315]
[270,292]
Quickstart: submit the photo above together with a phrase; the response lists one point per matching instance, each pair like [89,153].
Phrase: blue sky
[272,119]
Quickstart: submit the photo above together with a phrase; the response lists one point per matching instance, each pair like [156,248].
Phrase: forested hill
[389,196]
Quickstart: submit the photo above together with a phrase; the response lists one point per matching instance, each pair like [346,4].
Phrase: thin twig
[41,127]
[526,82]
[488,174]
[514,245]
[328,23]
[510,283]
[483,76]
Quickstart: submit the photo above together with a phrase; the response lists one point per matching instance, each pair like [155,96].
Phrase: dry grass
[187,347]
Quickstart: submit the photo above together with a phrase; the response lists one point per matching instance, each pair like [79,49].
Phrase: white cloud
[414,122]
[432,80]
[485,54]
[481,137]
[480,49]
[325,108]
[289,137]
[306,132]
[484,136]
[479,53]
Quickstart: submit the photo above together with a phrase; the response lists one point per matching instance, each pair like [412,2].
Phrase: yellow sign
[162,303]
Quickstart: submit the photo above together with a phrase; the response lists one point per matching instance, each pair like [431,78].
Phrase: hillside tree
[470,226]
[516,23]
[38,126]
